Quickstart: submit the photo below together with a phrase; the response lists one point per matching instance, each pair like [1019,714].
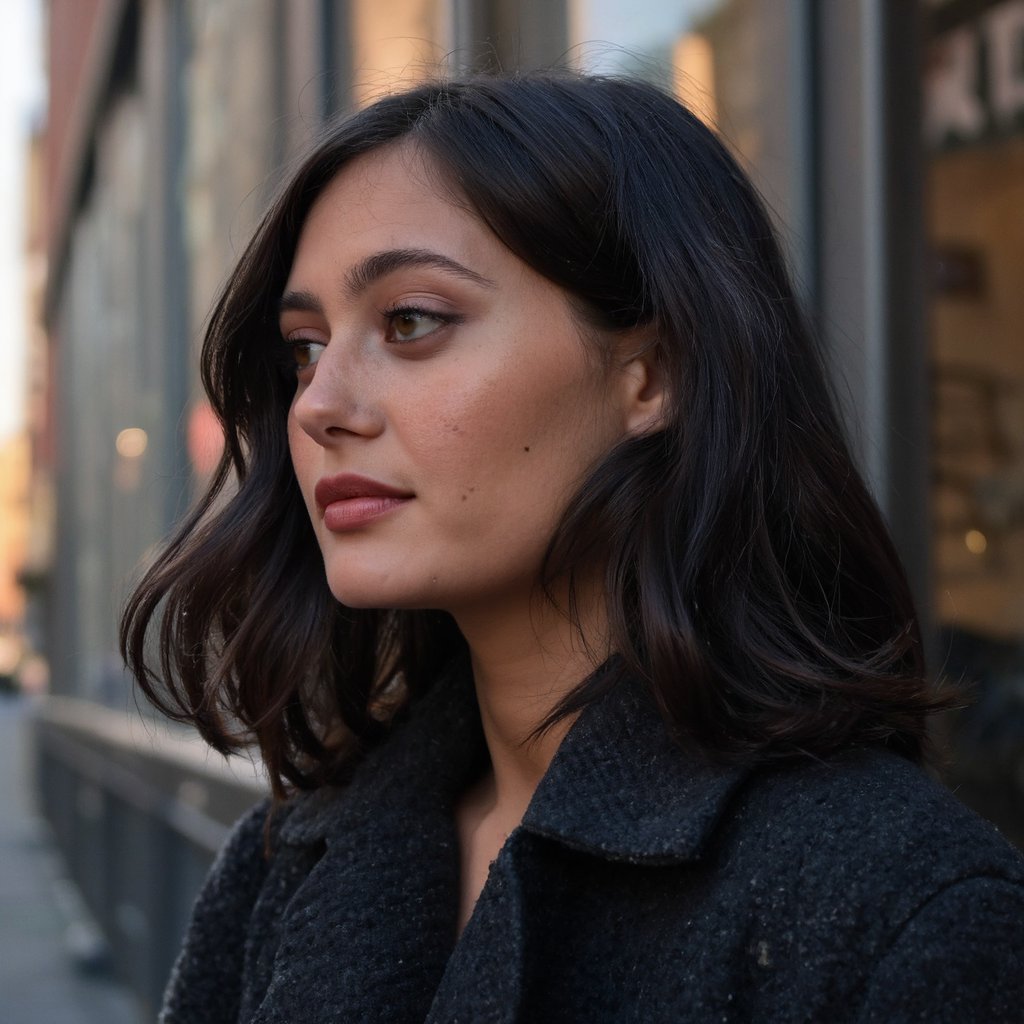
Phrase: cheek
[477,431]
[512,440]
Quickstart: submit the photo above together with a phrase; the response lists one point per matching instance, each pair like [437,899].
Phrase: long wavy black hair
[751,583]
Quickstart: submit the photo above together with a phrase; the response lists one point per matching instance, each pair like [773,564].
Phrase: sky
[22,93]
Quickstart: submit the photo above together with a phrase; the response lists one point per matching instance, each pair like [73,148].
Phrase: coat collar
[618,787]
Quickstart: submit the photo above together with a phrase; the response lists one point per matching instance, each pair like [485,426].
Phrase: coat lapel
[484,980]
[369,932]
[619,788]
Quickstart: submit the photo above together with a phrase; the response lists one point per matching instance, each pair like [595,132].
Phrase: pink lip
[348,501]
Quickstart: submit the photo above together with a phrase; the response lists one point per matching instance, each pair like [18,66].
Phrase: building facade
[188,111]
[887,137]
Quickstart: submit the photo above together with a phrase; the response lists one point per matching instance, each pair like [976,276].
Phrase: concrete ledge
[161,769]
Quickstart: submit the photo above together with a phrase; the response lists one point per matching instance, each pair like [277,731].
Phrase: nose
[338,401]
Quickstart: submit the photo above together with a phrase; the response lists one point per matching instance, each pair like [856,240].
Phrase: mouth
[348,501]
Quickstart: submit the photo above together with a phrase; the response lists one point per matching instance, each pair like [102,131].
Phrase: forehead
[395,189]
[399,167]
[396,199]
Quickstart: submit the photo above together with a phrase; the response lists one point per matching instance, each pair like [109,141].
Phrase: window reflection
[396,44]
[713,54]
[728,61]
[671,43]
[974,127]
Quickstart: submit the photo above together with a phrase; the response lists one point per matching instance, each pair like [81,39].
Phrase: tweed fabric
[642,886]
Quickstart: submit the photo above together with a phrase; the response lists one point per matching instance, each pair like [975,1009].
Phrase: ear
[643,388]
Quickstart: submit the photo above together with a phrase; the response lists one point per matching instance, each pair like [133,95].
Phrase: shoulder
[243,857]
[876,866]
[236,875]
[873,815]
[206,981]
[958,957]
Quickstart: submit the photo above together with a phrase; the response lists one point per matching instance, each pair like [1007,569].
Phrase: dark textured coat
[641,886]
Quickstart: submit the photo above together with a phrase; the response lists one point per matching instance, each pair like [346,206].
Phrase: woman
[582,666]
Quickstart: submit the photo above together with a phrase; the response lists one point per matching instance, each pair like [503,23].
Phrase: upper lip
[350,485]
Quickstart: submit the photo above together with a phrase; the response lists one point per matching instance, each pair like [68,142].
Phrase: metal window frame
[864,112]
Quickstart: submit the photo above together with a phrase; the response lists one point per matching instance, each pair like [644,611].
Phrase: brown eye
[406,325]
[305,352]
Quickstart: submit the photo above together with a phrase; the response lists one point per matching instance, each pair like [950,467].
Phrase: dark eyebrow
[303,302]
[380,264]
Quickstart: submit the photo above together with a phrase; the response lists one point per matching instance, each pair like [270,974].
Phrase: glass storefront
[736,64]
[974,124]
[395,44]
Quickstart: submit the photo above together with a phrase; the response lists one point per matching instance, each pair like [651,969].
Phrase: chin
[376,592]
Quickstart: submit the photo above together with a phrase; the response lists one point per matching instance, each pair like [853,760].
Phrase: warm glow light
[10,652]
[976,542]
[131,442]
[693,63]
[205,439]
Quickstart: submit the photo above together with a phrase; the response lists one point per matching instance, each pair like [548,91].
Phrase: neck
[525,659]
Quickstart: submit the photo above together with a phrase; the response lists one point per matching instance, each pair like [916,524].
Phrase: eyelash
[393,313]
[290,354]
[293,346]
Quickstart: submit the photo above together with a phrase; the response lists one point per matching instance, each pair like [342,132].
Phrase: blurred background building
[888,138]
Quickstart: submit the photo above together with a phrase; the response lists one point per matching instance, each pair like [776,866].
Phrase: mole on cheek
[526,448]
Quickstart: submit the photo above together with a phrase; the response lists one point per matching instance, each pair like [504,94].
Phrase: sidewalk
[39,983]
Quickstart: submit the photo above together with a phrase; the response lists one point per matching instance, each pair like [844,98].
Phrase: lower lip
[353,513]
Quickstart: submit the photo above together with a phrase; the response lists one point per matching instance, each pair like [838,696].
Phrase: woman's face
[447,406]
